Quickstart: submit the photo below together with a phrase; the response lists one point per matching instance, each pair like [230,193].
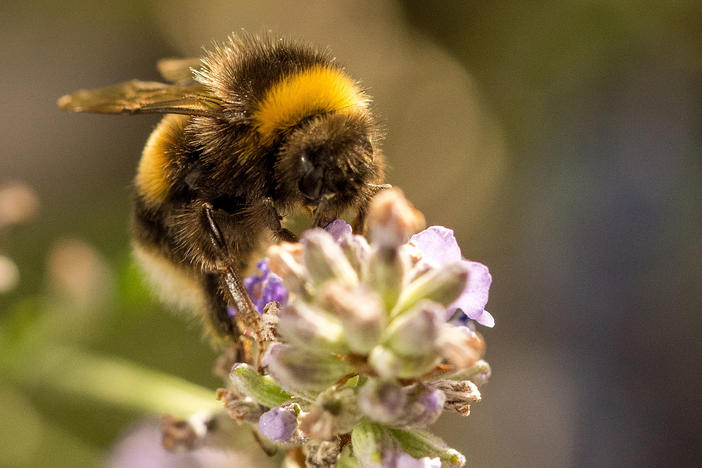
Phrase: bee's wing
[144,97]
[178,70]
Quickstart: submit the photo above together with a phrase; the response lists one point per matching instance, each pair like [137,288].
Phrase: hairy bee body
[264,127]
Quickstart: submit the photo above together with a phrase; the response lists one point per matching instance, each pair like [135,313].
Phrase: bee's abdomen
[156,173]
[175,284]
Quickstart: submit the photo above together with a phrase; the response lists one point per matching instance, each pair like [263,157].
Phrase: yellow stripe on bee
[152,179]
[317,89]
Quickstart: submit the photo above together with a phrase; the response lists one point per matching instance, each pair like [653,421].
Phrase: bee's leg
[274,220]
[325,212]
[246,318]
[359,223]
[217,312]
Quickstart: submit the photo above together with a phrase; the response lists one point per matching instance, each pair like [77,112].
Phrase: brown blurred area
[561,140]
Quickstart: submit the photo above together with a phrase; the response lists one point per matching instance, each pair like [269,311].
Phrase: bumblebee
[255,130]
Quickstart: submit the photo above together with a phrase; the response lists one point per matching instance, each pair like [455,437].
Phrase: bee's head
[329,158]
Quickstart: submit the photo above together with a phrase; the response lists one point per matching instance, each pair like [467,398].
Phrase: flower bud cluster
[367,351]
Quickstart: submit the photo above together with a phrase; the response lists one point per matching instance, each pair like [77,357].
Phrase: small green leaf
[261,388]
[371,442]
[347,460]
[420,444]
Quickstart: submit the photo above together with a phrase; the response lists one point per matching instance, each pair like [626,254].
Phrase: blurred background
[560,139]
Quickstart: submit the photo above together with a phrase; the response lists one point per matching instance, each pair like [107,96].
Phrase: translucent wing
[144,97]
[178,70]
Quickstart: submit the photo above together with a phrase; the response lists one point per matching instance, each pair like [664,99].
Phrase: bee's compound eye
[306,164]
[310,184]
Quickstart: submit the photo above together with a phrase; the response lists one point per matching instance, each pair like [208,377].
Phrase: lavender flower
[278,424]
[362,344]
[140,446]
[439,248]
[264,288]
[338,229]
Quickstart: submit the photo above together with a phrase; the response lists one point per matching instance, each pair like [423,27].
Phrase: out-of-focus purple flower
[140,447]
[399,459]
[264,288]
[278,424]
[338,228]
[439,247]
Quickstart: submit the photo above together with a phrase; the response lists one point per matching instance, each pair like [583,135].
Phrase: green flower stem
[118,382]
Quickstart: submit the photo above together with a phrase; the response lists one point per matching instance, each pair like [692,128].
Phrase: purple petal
[278,424]
[338,228]
[273,291]
[485,319]
[438,246]
[263,266]
[475,295]
[251,283]
[140,447]
[264,288]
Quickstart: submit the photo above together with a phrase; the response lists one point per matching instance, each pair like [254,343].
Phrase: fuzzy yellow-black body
[263,127]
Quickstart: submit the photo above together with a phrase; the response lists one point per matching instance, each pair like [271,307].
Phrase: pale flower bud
[324,260]
[302,373]
[385,274]
[443,285]
[461,346]
[382,401]
[278,424]
[401,407]
[360,312]
[309,327]
[334,412]
[285,260]
[389,364]
[392,219]
[357,251]
[414,333]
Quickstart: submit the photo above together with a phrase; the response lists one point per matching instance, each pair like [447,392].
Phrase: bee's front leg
[326,211]
[359,223]
[273,220]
